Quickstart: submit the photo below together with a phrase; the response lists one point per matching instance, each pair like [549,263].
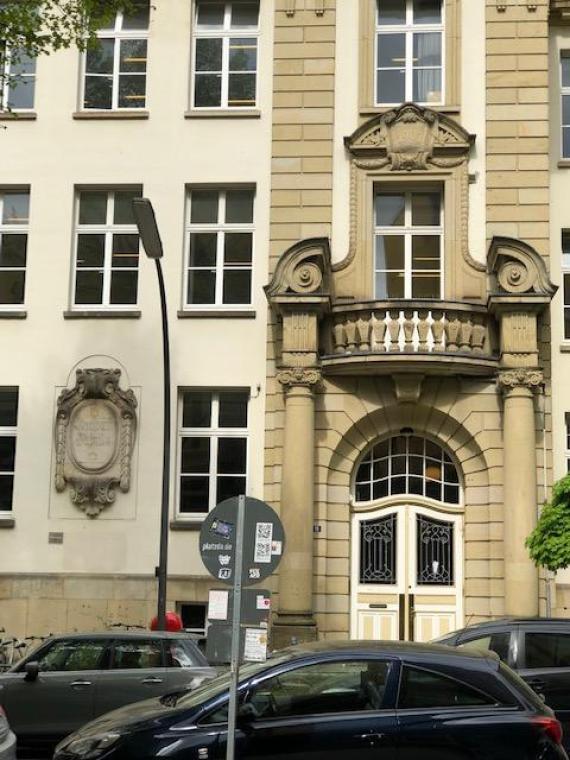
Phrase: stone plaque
[95,431]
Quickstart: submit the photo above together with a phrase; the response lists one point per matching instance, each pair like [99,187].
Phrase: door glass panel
[547,650]
[421,688]
[434,552]
[130,655]
[72,655]
[378,550]
[495,642]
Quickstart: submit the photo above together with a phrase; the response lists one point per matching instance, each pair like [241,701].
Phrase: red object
[173,622]
[551,727]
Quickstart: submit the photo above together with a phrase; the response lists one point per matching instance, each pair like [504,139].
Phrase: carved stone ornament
[95,430]
[306,376]
[409,138]
[517,268]
[304,269]
[533,379]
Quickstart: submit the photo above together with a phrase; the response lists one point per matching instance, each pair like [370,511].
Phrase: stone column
[295,622]
[520,489]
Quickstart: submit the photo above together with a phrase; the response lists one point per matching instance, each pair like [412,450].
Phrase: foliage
[549,542]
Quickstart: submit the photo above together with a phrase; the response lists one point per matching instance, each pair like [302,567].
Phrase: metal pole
[236,631]
[163,552]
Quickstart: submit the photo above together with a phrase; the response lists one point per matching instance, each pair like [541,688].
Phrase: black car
[358,700]
[537,648]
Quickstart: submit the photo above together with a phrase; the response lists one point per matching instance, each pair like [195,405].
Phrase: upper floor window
[8,429]
[17,80]
[14,219]
[565,104]
[106,249]
[409,51]
[220,247]
[115,67]
[408,249]
[567,439]
[566,280]
[225,54]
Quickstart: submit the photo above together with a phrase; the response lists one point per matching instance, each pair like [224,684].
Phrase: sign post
[236,631]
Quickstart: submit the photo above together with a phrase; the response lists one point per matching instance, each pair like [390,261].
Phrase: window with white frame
[565,101]
[225,54]
[409,51]
[115,65]
[17,80]
[219,247]
[106,249]
[14,220]
[566,281]
[567,451]
[213,444]
[8,431]
[408,250]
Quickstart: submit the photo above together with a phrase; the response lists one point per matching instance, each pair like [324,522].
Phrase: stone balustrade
[421,327]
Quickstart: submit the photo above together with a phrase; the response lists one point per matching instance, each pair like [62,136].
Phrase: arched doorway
[407,542]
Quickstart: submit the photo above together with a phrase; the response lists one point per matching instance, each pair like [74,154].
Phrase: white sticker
[255,647]
[218,605]
[263,602]
[276,548]
[263,536]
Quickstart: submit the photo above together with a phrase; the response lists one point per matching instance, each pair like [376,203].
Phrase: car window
[179,654]
[547,650]
[133,654]
[65,655]
[423,688]
[494,642]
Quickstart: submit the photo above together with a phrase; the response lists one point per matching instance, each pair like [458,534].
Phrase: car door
[328,710]
[136,671]
[186,666]
[545,666]
[61,699]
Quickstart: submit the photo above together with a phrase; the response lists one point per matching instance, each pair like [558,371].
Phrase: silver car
[7,739]
[70,680]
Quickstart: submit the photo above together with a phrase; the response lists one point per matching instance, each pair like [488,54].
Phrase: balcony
[431,337]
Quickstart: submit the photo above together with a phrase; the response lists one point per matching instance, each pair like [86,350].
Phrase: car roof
[119,633]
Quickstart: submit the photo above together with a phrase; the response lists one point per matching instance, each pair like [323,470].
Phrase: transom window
[409,51]
[407,465]
[107,249]
[408,231]
[225,54]
[8,430]
[115,67]
[17,80]
[14,221]
[565,101]
[212,450]
[220,247]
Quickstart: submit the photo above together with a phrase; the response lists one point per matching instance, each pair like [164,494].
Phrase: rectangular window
[409,51]
[565,101]
[567,451]
[106,250]
[17,80]
[408,252]
[8,431]
[566,280]
[14,220]
[115,67]
[212,458]
[225,54]
[219,245]
[193,616]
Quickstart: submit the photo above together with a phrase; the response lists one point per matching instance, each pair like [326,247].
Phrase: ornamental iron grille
[434,552]
[407,464]
[378,539]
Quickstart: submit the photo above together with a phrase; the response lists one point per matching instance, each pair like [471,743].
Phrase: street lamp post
[152,244]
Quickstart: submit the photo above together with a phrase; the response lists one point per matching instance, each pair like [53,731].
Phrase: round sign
[263,541]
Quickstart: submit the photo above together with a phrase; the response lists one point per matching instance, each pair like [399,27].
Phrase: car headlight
[88,747]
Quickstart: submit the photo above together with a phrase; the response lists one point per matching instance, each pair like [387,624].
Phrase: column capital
[509,379]
[307,377]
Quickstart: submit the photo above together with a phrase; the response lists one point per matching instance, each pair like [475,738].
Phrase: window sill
[182,524]
[565,348]
[564,163]
[16,314]
[101,314]
[18,116]
[112,115]
[7,522]
[223,113]
[372,110]
[216,314]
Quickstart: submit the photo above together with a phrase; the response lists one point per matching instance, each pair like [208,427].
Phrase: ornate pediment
[303,270]
[410,138]
[517,268]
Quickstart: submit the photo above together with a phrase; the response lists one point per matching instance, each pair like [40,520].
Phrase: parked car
[364,700]
[7,739]
[69,680]
[537,648]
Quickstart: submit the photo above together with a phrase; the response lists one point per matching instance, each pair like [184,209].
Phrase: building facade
[362,209]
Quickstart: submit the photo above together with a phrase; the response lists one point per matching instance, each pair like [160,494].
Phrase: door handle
[371,737]
[151,679]
[74,684]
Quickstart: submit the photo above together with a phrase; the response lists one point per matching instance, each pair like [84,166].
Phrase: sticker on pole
[263,544]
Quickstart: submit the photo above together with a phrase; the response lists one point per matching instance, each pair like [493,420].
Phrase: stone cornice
[299,376]
[509,379]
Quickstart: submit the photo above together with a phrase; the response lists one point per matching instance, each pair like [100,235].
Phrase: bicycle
[11,651]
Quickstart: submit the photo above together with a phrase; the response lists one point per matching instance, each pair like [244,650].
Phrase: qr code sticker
[263,539]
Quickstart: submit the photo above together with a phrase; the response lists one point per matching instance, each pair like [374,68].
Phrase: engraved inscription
[93,435]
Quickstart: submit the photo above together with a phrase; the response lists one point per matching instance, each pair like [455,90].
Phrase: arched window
[407,464]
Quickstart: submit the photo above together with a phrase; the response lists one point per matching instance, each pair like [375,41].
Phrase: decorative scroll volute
[303,270]
[516,268]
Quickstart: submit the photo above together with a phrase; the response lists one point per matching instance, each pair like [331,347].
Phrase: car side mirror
[32,671]
[246,713]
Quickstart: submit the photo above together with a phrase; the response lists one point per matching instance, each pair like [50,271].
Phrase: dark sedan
[358,700]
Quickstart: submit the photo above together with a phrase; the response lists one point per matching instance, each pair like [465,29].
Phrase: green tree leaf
[549,542]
